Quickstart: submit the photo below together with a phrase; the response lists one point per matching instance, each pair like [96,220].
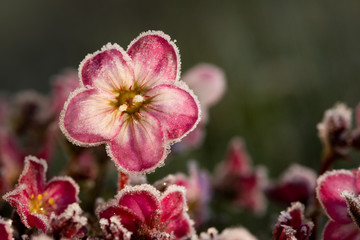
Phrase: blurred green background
[285,61]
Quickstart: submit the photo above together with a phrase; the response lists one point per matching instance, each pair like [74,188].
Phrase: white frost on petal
[40,161]
[67,179]
[166,37]
[7,227]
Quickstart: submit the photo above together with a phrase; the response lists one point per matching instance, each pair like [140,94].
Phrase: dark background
[285,61]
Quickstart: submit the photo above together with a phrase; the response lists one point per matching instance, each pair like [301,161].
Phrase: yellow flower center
[130,101]
[40,204]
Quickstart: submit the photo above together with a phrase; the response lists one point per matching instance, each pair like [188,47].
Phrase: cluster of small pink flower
[135,103]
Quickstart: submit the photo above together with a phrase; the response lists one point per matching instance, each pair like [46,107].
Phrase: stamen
[123,108]
[51,201]
[138,99]
[39,196]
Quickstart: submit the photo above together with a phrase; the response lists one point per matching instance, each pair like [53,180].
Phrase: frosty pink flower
[6,231]
[338,192]
[142,212]
[236,178]
[333,130]
[297,183]
[198,191]
[209,84]
[133,101]
[35,200]
[292,224]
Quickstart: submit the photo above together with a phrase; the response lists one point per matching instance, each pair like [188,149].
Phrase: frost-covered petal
[335,231]
[180,227]
[207,81]
[6,231]
[156,59]
[139,146]
[175,108]
[329,189]
[63,191]
[141,201]
[109,69]
[173,203]
[33,175]
[89,118]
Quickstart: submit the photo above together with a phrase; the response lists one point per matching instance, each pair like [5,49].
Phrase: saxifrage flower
[35,200]
[292,224]
[338,192]
[142,212]
[133,101]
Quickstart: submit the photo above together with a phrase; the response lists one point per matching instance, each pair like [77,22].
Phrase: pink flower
[334,129]
[209,84]
[142,212]
[236,178]
[133,101]
[297,183]
[6,231]
[69,224]
[234,233]
[198,191]
[338,192]
[292,224]
[35,200]
[62,85]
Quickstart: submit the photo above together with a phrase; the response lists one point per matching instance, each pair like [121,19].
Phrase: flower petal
[175,108]
[329,188]
[139,146]
[89,118]
[109,69]
[207,81]
[142,203]
[336,231]
[173,203]
[156,59]
[180,227]
[33,175]
[63,190]
[6,231]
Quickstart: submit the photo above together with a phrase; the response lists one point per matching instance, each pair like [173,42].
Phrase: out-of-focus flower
[198,191]
[334,129]
[35,200]
[234,233]
[209,84]
[69,224]
[6,231]
[239,181]
[297,183]
[62,85]
[142,212]
[292,224]
[133,101]
[338,193]
[29,130]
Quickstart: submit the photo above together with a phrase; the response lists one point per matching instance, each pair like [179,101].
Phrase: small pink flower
[142,212]
[133,101]
[292,224]
[35,200]
[62,85]
[6,231]
[198,191]
[236,178]
[69,224]
[234,233]
[338,192]
[334,129]
[297,183]
[209,84]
